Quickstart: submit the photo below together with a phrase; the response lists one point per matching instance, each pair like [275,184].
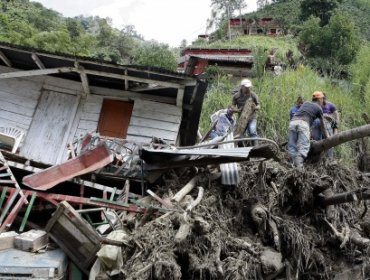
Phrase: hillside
[30,24]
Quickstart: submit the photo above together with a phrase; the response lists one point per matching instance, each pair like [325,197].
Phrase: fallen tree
[342,137]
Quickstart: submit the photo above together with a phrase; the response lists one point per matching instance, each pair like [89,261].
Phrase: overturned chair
[10,138]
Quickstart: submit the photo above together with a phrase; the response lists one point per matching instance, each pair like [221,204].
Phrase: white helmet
[246,83]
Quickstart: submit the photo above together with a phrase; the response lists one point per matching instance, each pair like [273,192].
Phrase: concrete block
[7,240]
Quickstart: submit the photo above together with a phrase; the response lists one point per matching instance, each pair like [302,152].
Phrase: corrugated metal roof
[69,58]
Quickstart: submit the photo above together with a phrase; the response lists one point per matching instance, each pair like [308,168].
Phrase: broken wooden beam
[87,162]
[186,189]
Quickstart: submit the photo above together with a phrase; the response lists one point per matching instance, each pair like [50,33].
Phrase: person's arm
[323,128]
[234,103]
[256,102]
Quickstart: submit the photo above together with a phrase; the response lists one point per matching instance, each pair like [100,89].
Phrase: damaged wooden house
[55,107]
[49,102]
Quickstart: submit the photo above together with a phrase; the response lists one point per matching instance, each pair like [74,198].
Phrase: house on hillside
[51,100]
[236,62]
[264,26]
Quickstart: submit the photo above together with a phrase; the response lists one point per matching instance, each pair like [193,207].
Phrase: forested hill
[289,13]
[30,24]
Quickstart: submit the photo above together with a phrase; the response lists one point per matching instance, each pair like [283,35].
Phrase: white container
[20,265]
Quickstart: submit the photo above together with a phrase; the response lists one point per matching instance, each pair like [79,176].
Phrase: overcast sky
[166,21]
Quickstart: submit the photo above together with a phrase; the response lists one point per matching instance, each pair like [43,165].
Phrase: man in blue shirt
[299,128]
[296,107]
[225,123]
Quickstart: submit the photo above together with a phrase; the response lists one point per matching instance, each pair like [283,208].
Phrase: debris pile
[273,226]
[280,222]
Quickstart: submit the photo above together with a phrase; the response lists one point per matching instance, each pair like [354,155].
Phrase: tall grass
[278,94]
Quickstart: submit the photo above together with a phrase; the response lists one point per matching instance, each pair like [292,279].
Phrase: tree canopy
[30,24]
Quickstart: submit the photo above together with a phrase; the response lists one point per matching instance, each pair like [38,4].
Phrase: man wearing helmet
[299,128]
[240,98]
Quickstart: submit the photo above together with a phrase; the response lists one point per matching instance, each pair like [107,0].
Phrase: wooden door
[115,118]
[46,136]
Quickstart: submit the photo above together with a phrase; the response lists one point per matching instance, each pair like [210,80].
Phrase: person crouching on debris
[225,122]
[239,99]
[299,128]
[296,107]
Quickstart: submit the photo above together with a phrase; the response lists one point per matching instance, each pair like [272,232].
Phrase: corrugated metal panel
[230,171]
[226,152]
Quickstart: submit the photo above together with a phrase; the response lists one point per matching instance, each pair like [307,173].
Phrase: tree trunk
[359,194]
[340,138]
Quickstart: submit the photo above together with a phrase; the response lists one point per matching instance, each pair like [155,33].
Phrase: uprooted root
[228,232]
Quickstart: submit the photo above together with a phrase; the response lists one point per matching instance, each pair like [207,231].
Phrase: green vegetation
[279,93]
[333,44]
[29,24]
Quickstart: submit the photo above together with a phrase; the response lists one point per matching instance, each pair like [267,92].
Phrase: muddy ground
[272,226]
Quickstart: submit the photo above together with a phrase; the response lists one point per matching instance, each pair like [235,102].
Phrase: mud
[269,227]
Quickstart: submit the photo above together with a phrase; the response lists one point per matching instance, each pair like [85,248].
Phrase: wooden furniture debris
[86,162]
[31,241]
[74,236]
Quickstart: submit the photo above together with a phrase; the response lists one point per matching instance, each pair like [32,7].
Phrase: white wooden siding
[18,100]
[154,119]
[46,137]
[89,116]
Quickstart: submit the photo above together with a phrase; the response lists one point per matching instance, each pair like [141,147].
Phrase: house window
[115,118]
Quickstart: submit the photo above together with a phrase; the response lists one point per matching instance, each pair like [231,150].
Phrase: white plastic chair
[11,136]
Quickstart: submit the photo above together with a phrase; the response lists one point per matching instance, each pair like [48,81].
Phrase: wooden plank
[38,62]
[61,89]
[93,107]
[139,139]
[87,125]
[22,120]
[21,87]
[150,123]
[149,132]
[18,98]
[141,112]
[90,116]
[85,163]
[157,107]
[5,122]
[29,73]
[180,97]
[135,79]
[130,95]
[17,108]
[5,59]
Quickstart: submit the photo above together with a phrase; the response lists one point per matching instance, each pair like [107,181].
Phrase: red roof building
[237,62]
